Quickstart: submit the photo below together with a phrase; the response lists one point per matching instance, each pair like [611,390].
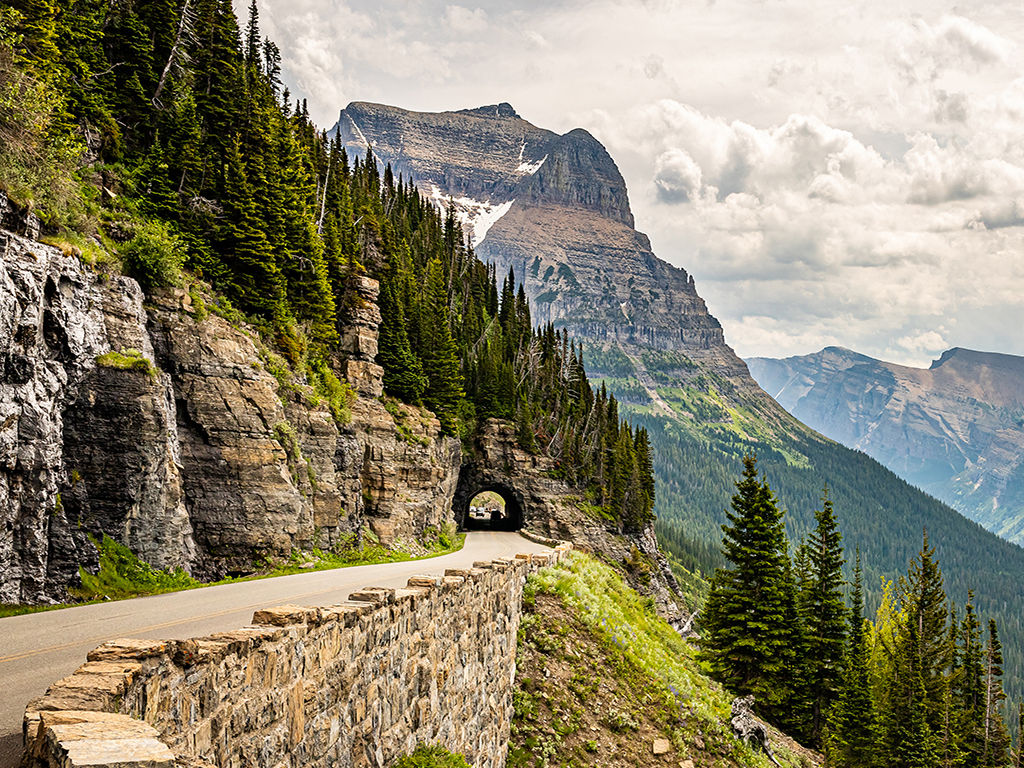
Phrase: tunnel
[480,504]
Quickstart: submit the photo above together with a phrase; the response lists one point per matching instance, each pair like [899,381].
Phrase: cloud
[923,51]
[464,20]
[676,176]
[830,173]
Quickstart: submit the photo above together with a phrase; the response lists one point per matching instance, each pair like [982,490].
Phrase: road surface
[38,649]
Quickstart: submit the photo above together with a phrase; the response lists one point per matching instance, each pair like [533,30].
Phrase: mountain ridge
[954,429]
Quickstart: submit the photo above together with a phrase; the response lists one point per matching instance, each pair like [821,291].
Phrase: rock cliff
[161,425]
[955,429]
[178,433]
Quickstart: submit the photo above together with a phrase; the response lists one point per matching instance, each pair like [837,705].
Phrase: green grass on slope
[601,676]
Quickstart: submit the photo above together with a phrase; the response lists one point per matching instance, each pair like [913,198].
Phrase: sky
[830,172]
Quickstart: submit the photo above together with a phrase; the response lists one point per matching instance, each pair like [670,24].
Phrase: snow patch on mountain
[530,168]
[475,216]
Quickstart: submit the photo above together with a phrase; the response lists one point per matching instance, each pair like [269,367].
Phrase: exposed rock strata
[181,445]
[956,429]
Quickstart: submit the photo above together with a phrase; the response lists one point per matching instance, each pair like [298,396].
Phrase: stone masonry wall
[351,685]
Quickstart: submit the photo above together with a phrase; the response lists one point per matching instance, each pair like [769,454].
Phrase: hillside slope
[602,680]
[555,209]
[956,429]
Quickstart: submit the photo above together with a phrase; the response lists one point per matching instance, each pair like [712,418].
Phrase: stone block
[365,377]
[128,648]
[427,581]
[282,616]
[374,595]
[661,747]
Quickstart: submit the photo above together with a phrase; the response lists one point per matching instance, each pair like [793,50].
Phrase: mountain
[556,210]
[955,430]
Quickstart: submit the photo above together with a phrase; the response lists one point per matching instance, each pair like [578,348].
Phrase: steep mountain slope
[955,429]
[555,209]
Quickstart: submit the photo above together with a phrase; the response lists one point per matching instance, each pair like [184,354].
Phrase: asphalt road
[38,649]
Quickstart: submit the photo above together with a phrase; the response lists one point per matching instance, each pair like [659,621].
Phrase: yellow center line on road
[153,627]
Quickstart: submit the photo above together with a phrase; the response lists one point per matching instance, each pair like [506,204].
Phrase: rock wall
[351,685]
[162,426]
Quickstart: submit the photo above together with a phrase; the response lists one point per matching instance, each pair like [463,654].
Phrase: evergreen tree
[997,742]
[403,374]
[826,618]
[853,744]
[745,613]
[438,351]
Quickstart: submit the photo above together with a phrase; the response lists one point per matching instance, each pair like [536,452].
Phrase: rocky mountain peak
[504,109]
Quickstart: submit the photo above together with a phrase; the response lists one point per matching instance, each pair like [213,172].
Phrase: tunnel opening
[489,508]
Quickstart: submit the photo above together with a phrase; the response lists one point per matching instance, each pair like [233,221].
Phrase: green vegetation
[431,757]
[917,689]
[600,672]
[153,256]
[123,575]
[127,360]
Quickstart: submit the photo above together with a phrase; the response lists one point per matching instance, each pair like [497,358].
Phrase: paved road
[39,649]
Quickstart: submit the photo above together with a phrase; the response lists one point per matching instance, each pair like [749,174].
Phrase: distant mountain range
[555,208]
[955,430]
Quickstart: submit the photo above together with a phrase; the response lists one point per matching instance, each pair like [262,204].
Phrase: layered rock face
[161,427]
[955,429]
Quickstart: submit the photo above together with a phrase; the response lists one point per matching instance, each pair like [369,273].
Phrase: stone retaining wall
[356,684]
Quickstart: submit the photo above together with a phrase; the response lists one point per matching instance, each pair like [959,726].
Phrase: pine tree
[969,689]
[439,353]
[403,374]
[997,741]
[745,613]
[826,618]
[853,744]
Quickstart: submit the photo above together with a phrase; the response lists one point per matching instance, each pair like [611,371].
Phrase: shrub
[153,256]
[122,574]
[338,394]
[434,756]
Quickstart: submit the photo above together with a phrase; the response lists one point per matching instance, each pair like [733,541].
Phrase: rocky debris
[661,747]
[748,728]
[355,684]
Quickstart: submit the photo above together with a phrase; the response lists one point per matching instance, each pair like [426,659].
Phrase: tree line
[919,687]
[161,129]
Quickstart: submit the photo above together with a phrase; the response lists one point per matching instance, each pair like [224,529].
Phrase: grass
[122,575]
[628,677]
[127,360]
[431,757]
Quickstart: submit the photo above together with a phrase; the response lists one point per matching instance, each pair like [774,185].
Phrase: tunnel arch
[472,483]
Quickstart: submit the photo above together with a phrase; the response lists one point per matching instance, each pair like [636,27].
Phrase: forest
[159,135]
[921,686]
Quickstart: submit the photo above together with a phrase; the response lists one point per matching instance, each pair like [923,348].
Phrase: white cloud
[831,173]
[466,21]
